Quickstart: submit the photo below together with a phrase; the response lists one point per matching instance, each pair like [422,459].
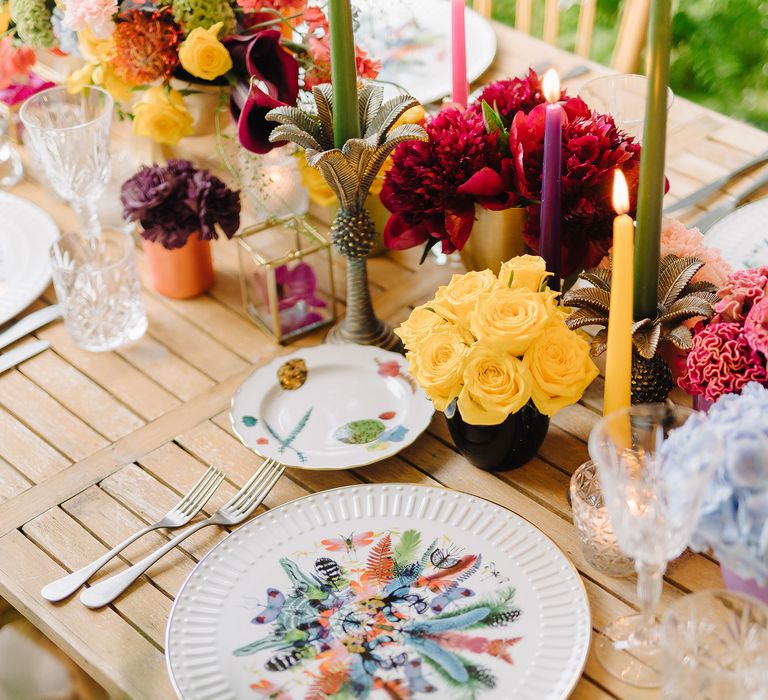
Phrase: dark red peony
[507,97]
[432,187]
[592,148]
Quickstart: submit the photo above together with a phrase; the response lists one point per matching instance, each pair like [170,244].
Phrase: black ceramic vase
[507,445]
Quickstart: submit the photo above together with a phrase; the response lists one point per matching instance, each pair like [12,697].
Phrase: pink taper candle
[549,229]
[460,93]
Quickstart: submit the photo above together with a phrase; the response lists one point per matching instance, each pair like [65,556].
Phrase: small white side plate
[742,236]
[358,405]
[26,234]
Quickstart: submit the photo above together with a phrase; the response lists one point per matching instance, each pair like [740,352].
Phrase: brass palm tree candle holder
[350,172]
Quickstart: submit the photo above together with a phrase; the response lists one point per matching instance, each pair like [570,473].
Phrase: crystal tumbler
[715,647]
[593,524]
[98,290]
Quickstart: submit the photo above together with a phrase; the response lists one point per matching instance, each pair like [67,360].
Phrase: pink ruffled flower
[742,289]
[678,240]
[96,15]
[722,362]
[15,62]
[756,326]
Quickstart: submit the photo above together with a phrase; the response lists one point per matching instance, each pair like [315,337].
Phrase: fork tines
[256,488]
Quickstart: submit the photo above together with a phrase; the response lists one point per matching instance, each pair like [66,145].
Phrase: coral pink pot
[180,273]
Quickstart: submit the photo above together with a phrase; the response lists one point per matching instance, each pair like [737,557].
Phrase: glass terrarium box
[286,277]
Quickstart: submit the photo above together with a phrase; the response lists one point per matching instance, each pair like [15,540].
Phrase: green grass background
[719,52]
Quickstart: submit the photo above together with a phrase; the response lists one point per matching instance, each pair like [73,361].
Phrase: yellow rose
[560,368]
[5,17]
[437,364]
[105,76]
[495,385]
[162,116]
[203,55]
[422,321]
[81,78]
[456,300]
[524,272]
[510,319]
[93,49]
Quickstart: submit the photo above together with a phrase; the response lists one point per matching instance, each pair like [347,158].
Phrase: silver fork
[186,509]
[233,512]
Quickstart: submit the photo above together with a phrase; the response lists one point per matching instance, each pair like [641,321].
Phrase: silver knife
[32,322]
[705,222]
[14,357]
[709,189]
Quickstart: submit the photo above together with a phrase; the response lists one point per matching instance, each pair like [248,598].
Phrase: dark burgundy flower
[268,77]
[510,96]
[592,148]
[148,188]
[422,189]
[178,200]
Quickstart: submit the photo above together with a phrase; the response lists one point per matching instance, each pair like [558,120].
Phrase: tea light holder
[593,524]
[286,277]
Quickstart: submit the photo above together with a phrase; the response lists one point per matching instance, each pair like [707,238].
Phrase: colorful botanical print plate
[331,407]
[381,591]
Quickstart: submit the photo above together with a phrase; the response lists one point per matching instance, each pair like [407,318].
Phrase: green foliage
[406,547]
[718,59]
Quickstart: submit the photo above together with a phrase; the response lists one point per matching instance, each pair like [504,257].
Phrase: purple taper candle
[549,233]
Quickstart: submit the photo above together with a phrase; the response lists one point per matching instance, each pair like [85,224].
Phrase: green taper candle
[651,190]
[346,124]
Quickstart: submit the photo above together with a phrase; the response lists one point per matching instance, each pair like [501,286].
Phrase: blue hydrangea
[66,37]
[734,513]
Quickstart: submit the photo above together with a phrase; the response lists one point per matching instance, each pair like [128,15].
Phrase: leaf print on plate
[385,622]
[359,432]
[287,442]
[250,421]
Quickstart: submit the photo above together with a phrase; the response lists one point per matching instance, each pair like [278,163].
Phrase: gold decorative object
[286,277]
[350,172]
[292,374]
[679,300]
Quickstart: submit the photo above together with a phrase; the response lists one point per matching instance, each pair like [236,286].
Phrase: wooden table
[93,446]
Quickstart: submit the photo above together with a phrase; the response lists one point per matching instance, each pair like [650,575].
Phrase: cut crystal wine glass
[653,495]
[70,134]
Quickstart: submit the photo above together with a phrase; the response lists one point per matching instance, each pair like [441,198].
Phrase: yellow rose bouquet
[487,348]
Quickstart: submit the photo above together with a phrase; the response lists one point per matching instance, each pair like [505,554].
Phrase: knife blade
[704,192]
[30,323]
[707,220]
[14,357]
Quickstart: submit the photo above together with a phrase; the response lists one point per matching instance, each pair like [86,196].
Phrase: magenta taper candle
[549,229]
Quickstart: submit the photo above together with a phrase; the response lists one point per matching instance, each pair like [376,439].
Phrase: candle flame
[550,86]
[620,192]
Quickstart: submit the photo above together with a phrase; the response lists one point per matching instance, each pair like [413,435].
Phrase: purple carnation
[175,201]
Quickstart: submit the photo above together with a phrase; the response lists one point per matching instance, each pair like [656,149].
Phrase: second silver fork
[186,509]
[235,511]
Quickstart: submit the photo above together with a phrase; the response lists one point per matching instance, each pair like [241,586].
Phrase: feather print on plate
[384,615]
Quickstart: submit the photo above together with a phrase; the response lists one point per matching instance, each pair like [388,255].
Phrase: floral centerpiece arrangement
[180,208]
[731,350]
[734,515]
[495,351]
[491,155]
[262,51]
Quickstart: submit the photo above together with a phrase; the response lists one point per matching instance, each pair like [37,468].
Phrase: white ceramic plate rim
[566,685]
[727,233]
[415,429]
[481,50]
[40,232]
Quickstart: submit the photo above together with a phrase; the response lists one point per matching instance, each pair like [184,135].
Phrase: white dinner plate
[742,236]
[336,407]
[26,234]
[381,591]
[413,41]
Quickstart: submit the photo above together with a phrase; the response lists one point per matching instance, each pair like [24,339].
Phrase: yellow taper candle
[618,363]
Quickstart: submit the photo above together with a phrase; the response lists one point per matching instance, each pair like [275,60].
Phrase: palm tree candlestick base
[350,172]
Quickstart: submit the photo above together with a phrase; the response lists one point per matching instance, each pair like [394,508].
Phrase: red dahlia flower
[592,148]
